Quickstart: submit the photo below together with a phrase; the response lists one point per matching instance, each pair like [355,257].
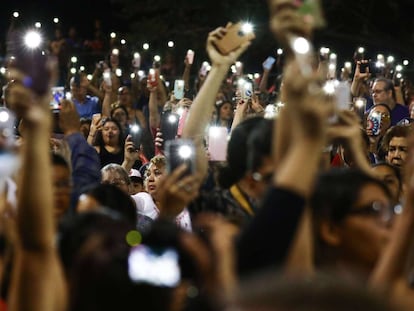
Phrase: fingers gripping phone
[236,35]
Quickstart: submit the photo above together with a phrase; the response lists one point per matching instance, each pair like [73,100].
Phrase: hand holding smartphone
[236,35]
[268,63]
[178,152]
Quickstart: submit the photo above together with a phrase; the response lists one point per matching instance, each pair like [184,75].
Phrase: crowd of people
[231,191]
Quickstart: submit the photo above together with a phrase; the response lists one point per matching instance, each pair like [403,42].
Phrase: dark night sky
[385,25]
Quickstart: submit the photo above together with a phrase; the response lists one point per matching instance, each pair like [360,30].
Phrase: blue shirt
[89,107]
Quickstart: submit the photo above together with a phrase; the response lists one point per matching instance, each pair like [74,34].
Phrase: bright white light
[214,131]
[399,68]
[38,25]
[123,41]
[136,55]
[172,118]
[118,72]
[405,62]
[74,59]
[332,67]
[56,20]
[399,75]
[360,103]
[16,14]
[279,51]
[301,45]
[3,70]
[247,28]
[141,73]
[73,70]
[239,64]
[379,64]
[348,65]
[324,50]
[256,75]
[89,77]
[68,95]
[208,68]
[115,52]
[82,68]
[132,75]
[145,46]
[180,111]
[390,59]
[250,76]
[233,69]
[135,128]
[361,50]
[241,82]
[170,44]
[333,57]
[4,116]
[157,58]
[329,88]
[32,39]
[185,152]
[113,35]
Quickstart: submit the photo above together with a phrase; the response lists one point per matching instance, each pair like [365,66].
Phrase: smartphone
[236,35]
[268,63]
[169,125]
[136,135]
[190,57]
[179,89]
[178,152]
[30,60]
[152,79]
[154,266]
[217,143]
[374,123]
[311,10]
[107,77]
[58,93]
[205,68]
[246,90]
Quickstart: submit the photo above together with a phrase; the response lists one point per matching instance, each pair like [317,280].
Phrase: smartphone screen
[154,266]
[178,152]
[217,143]
[136,135]
[268,63]
[169,125]
[179,89]
[58,93]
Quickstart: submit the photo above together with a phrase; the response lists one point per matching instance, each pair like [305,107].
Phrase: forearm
[95,92]
[106,104]
[186,77]
[154,115]
[355,87]
[34,221]
[264,81]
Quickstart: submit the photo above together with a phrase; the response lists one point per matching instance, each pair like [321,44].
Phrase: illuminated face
[379,94]
[110,133]
[397,151]
[153,177]
[226,111]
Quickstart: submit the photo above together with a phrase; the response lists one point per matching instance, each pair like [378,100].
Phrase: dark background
[382,26]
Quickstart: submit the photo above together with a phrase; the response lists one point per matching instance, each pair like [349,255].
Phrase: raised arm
[203,105]
[37,278]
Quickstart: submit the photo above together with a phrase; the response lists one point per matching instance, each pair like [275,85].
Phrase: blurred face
[120,115]
[62,188]
[379,94]
[135,187]
[387,175]
[364,233]
[114,178]
[124,96]
[78,92]
[110,133]
[226,111]
[397,151]
[154,175]
[263,177]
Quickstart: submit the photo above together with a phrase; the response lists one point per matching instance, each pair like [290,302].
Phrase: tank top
[107,157]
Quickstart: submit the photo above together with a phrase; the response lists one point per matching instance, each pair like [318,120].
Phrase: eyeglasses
[377,91]
[383,213]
